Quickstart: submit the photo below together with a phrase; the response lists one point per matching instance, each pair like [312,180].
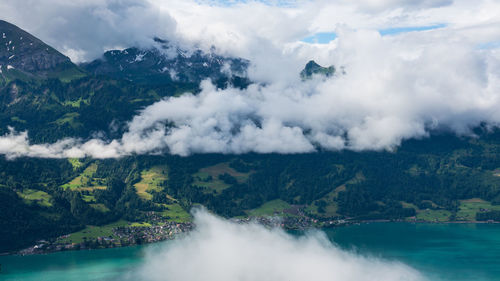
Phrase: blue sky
[326,37]
[397,30]
[320,38]
[490,45]
[234,2]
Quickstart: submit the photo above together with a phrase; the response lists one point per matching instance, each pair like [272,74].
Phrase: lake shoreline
[439,251]
[266,221]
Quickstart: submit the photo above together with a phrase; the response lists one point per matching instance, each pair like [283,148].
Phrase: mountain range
[24,56]
[441,178]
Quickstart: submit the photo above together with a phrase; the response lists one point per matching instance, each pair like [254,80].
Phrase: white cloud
[395,87]
[225,251]
[15,144]
[393,90]
[83,29]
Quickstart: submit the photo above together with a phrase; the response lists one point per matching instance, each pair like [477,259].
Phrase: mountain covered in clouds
[132,101]
[44,93]
[24,56]
[165,63]
[313,68]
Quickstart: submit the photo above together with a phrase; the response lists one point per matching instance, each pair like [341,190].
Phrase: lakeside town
[157,227]
[130,235]
[123,236]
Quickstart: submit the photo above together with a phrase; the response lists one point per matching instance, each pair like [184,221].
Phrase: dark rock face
[313,68]
[165,63]
[21,51]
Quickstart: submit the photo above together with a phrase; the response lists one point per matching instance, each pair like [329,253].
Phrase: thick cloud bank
[394,88]
[83,29]
[391,91]
[219,250]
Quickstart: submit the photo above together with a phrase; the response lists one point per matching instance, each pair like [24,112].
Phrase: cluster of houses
[165,230]
[148,234]
[122,236]
[291,222]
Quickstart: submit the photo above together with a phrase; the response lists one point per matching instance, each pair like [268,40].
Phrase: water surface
[438,251]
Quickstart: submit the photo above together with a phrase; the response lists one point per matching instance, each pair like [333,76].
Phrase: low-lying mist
[221,250]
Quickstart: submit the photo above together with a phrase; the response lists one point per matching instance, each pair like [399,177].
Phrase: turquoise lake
[438,251]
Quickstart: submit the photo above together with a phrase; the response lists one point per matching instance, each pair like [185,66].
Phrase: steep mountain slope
[441,178]
[312,68]
[43,92]
[26,57]
[165,63]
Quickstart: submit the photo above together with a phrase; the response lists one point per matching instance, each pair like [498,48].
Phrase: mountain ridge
[60,99]
[165,63]
[440,178]
[22,55]
[313,68]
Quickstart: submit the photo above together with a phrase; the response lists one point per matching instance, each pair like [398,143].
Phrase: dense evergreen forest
[434,174]
[441,178]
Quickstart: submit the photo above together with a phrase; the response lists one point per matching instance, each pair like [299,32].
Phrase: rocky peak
[165,63]
[24,52]
[313,68]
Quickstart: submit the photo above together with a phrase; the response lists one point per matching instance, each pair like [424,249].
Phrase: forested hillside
[440,178]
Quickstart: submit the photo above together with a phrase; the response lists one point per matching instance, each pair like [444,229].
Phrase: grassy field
[140,224]
[433,215]
[176,213]
[92,232]
[151,180]
[330,210]
[331,207]
[429,215]
[86,180]
[408,205]
[88,198]
[467,211]
[69,118]
[270,208]
[212,185]
[76,103]
[209,177]
[67,73]
[469,208]
[76,163]
[32,196]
